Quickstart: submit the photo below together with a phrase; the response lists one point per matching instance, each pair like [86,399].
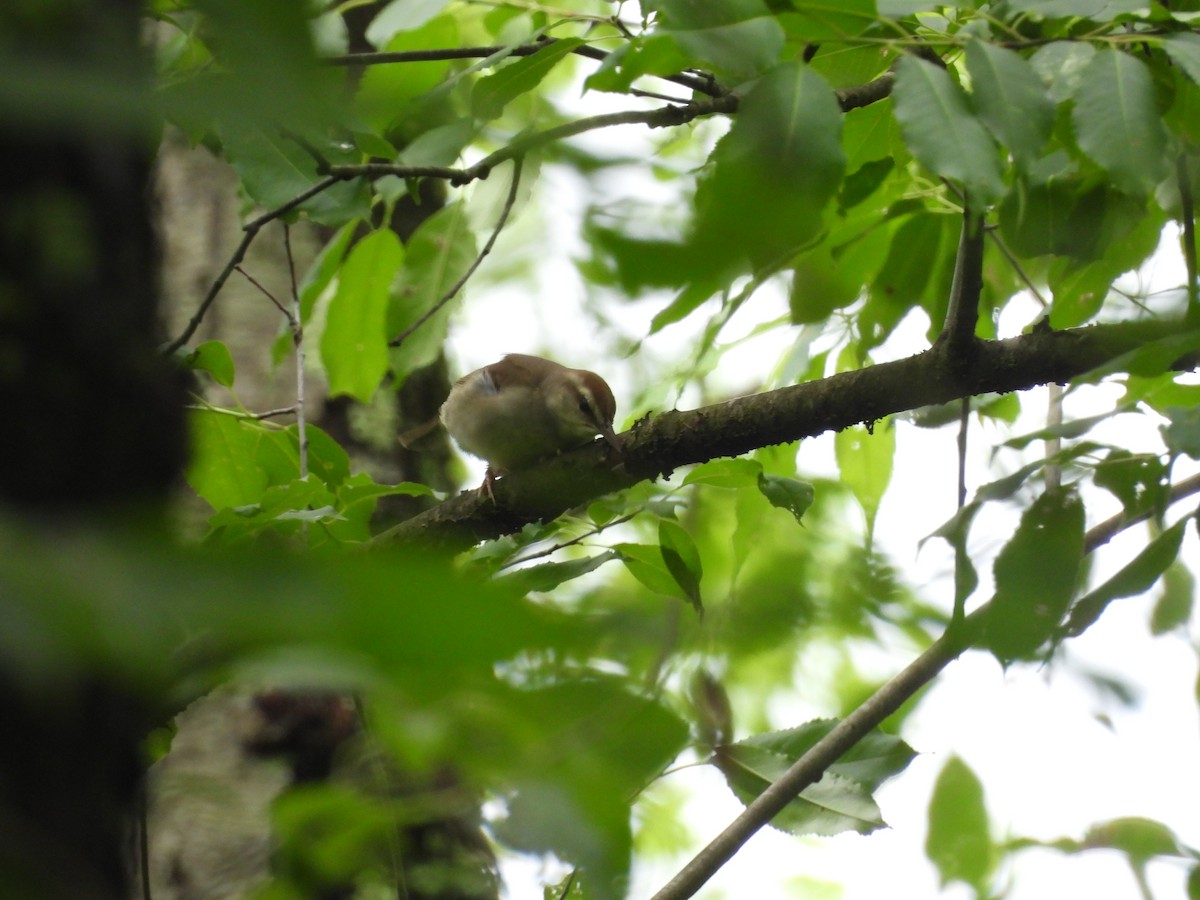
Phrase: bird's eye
[584,407]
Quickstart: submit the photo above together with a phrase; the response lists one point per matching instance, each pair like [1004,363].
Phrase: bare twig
[700,84]
[243,414]
[298,343]
[251,231]
[661,117]
[487,248]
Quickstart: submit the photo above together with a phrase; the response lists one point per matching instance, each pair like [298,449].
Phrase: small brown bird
[523,409]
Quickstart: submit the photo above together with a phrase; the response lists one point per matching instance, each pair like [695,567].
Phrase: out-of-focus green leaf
[813,21]
[787,493]
[942,131]
[1177,600]
[1117,121]
[599,745]
[1141,839]
[387,96]
[959,842]
[820,284]
[1010,98]
[399,16]
[548,576]
[1135,578]
[1182,433]
[736,40]
[353,344]
[865,464]
[213,357]
[1076,9]
[774,172]
[1184,49]
[1139,482]
[493,92]
[1035,575]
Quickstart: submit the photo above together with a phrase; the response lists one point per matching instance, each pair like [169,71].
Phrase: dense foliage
[834,186]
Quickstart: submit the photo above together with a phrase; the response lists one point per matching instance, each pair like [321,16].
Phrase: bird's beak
[609,435]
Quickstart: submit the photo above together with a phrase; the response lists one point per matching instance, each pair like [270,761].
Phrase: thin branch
[684,437]
[811,766]
[958,332]
[298,343]
[262,289]
[661,117]
[483,253]
[620,520]
[698,83]
[1110,528]
[241,413]
[251,231]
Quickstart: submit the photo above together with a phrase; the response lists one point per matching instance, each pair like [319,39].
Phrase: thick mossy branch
[661,444]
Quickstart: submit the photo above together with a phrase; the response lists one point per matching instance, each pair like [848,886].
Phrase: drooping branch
[658,446]
[808,770]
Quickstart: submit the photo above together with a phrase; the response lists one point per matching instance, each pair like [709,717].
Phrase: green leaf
[1174,606]
[958,842]
[353,344]
[774,172]
[548,576]
[1117,122]
[1141,839]
[597,745]
[787,493]
[323,268]
[1135,578]
[493,92]
[213,357]
[1184,50]
[942,131]
[645,563]
[812,21]
[820,284]
[1035,575]
[1011,99]
[865,464]
[438,254]
[388,96]
[736,51]
[275,170]
[399,16]
[1182,433]
[223,469]
[840,801]
[737,472]
[682,560]
[1096,10]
